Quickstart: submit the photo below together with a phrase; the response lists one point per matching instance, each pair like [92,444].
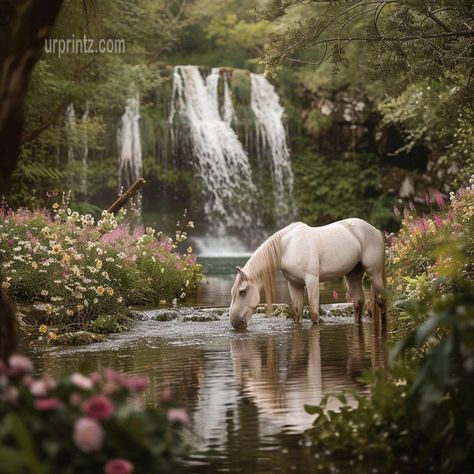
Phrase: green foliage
[417,416]
[331,189]
[82,424]
[81,271]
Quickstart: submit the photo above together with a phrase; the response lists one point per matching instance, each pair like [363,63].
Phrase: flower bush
[423,252]
[83,424]
[84,271]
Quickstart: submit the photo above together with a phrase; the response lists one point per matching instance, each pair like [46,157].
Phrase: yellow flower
[5,284]
[43,329]
[80,307]
[56,248]
[52,335]
[110,291]
[34,265]
[100,290]
[98,264]
[66,258]
[163,302]
[55,205]
[70,312]
[49,309]
[189,249]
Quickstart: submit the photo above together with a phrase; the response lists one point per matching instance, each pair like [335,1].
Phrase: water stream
[245,391]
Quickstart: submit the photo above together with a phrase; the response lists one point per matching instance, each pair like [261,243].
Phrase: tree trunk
[24,26]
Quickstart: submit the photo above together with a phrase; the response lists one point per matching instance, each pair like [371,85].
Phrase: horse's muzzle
[239,322]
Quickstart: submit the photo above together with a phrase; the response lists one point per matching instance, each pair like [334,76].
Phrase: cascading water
[71,130]
[129,144]
[271,141]
[85,152]
[221,160]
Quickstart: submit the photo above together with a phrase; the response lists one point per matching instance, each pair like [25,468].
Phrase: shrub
[83,424]
[80,269]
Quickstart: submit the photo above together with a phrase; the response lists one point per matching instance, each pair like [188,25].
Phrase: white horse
[307,256]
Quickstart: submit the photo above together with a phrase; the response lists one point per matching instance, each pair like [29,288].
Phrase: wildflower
[191,224]
[162,270]
[5,284]
[427,199]
[55,205]
[52,335]
[98,264]
[396,211]
[41,387]
[118,466]
[439,199]
[95,301]
[162,302]
[34,265]
[178,415]
[56,248]
[88,435]
[136,383]
[49,309]
[44,292]
[70,312]
[43,329]
[99,407]
[189,249]
[100,290]
[119,299]
[411,206]
[80,307]
[110,291]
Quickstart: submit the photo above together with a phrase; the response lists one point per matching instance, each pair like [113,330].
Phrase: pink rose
[41,387]
[88,435]
[75,399]
[81,381]
[19,364]
[46,404]
[99,407]
[178,415]
[118,466]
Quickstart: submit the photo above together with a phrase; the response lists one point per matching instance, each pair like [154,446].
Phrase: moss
[78,338]
[109,323]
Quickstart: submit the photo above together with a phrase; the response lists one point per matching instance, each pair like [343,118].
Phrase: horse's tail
[377,300]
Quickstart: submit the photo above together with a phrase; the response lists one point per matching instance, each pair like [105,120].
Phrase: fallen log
[126,196]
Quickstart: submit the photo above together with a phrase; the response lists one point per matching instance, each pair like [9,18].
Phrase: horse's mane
[264,263]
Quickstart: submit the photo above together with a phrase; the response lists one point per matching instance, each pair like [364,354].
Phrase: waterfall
[221,161]
[129,144]
[71,131]
[85,152]
[228,113]
[271,142]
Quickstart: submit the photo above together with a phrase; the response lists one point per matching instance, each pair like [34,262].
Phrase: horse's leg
[354,285]
[373,263]
[312,287]
[296,295]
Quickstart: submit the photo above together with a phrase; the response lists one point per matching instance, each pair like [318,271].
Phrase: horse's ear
[242,273]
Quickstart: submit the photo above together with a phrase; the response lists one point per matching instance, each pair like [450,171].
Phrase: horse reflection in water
[282,378]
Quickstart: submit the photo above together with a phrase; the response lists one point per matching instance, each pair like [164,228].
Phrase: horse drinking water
[307,256]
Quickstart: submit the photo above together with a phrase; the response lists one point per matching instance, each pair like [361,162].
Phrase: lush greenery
[418,414]
[85,273]
[83,424]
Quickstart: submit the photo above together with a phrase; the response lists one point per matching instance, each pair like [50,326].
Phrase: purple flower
[439,200]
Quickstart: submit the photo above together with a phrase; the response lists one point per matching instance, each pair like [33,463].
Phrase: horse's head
[245,299]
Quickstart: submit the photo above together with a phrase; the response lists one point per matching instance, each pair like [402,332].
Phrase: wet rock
[337,310]
[78,338]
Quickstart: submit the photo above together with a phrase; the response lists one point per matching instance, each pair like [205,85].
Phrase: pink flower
[19,364]
[396,211]
[438,221]
[411,206]
[41,387]
[88,435]
[81,381]
[427,199]
[75,399]
[46,404]
[166,394]
[99,407]
[118,466]
[136,383]
[439,199]
[178,415]
[335,295]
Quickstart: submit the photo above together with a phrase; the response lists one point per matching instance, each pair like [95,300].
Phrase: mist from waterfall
[222,163]
[271,142]
[129,144]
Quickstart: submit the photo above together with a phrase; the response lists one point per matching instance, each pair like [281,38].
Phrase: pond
[245,391]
